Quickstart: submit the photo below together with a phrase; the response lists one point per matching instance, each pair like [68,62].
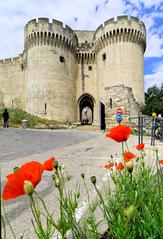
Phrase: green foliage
[135,205]
[153,101]
[17,115]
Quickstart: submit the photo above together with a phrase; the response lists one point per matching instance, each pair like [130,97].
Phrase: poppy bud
[93,179]
[82,175]
[130,212]
[16,169]
[28,187]
[55,164]
[57,182]
[129,166]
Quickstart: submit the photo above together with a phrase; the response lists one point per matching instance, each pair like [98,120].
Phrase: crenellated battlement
[43,32]
[122,29]
[13,60]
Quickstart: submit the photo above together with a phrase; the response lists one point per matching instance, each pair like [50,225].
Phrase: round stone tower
[119,48]
[49,78]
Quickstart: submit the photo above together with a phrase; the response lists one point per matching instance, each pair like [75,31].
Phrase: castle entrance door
[86,105]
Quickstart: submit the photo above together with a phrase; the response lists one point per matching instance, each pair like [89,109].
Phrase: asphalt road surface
[16,143]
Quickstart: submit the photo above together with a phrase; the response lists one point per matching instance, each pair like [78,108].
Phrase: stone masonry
[64,74]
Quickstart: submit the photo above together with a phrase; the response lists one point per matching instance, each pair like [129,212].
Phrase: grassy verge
[17,115]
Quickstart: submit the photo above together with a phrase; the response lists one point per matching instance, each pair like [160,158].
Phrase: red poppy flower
[128,156]
[31,171]
[140,146]
[109,165]
[161,161]
[48,164]
[119,133]
[120,166]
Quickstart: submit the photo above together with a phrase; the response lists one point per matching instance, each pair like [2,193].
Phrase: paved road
[16,143]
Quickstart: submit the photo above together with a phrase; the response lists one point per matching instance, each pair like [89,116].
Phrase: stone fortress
[71,75]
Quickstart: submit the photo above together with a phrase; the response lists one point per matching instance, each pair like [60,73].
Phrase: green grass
[17,115]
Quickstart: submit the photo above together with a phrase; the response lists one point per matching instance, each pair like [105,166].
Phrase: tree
[153,101]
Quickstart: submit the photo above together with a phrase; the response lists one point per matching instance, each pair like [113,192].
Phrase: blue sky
[88,15]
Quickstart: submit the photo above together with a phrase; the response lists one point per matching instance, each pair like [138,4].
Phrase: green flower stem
[122,148]
[86,191]
[6,217]
[4,227]
[104,206]
[36,216]
[89,204]
[127,146]
[43,203]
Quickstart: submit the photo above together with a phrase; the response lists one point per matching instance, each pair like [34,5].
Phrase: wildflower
[109,165]
[31,172]
[119,166]
[119,133]
[128,156]
[140,146]
[49,164]
[161,161]
[129,166]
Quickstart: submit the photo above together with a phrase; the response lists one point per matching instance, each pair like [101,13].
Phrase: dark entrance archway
[86,109]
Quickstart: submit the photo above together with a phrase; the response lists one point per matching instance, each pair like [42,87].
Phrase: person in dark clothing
[5,116]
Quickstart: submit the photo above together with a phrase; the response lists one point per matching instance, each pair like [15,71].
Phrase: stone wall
[12,82]
[122,97]
[60,66]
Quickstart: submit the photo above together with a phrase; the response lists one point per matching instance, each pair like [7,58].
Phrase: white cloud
[155,78]
[154,46]
[14,14]
[154,40]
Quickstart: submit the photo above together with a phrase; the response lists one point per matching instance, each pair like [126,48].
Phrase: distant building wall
[12,82]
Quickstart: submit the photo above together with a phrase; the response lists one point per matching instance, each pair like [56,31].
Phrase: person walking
[5,116]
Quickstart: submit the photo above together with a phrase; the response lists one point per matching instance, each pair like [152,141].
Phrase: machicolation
[70,75]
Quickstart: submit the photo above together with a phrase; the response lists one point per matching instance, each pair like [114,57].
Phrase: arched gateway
[86,109]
